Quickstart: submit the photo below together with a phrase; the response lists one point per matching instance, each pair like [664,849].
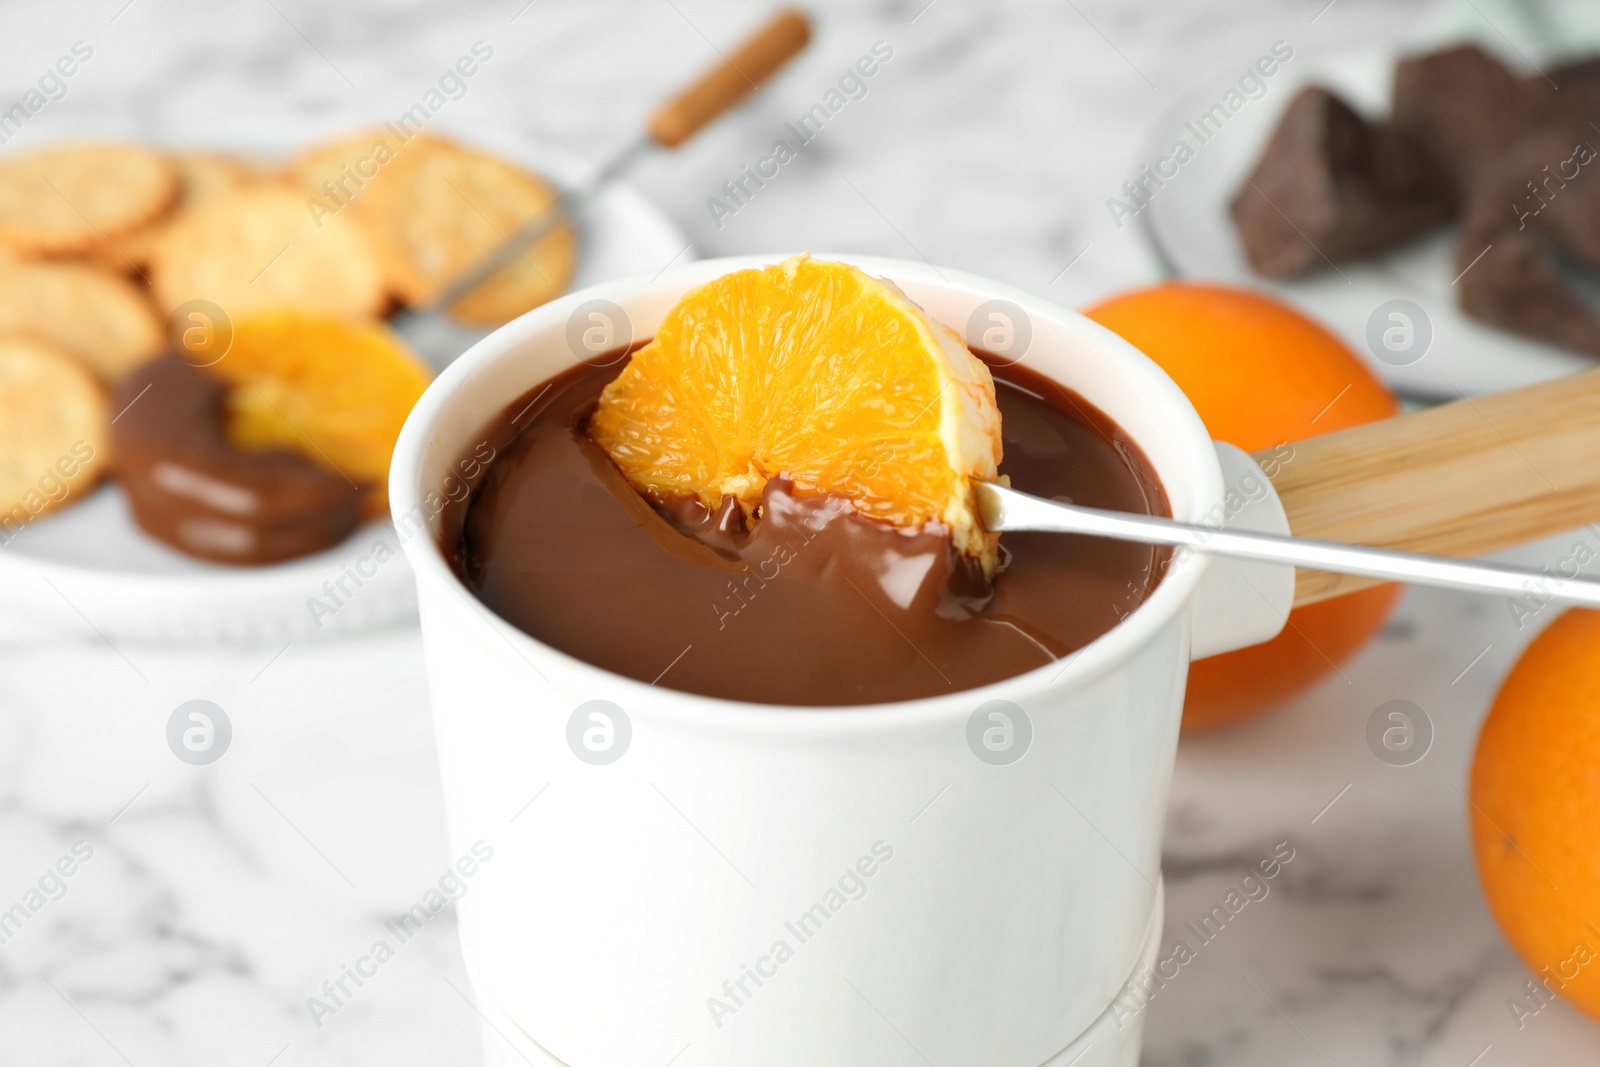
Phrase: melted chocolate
[809,603]
[189,487]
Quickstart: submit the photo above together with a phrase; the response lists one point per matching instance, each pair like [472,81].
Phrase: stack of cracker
[103,242]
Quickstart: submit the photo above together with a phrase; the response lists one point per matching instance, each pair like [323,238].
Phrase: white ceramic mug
[749,884]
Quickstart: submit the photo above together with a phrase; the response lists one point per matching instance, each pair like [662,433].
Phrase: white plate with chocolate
[198,390]
[1404,200]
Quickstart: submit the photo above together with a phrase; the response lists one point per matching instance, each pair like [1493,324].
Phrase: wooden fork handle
[1462,479]
[738,75]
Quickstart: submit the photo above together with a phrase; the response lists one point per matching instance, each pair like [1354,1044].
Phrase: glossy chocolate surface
[808,604]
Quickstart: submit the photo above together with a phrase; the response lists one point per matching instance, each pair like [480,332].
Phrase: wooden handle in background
[1463,479]
[731,80]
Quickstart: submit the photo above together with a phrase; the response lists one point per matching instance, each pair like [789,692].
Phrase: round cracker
[101,318]
[64,199]
[55,431]
[202,176]
[435,208]
[338,170]
[206,175]
[537,276]
[261,249]
[334,173]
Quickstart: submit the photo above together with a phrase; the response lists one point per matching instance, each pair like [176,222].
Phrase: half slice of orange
[335,390]
[819,373]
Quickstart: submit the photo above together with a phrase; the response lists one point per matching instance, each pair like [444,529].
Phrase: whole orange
[1260,374]
[1535,808]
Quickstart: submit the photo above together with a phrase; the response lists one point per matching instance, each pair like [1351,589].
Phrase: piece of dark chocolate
[1547,182]
[1465,108]
[1543,194]
[1581,76]
[1331,187]
[1517,286]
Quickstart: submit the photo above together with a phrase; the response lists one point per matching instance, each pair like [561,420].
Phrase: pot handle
[1466,478]
[1241,602]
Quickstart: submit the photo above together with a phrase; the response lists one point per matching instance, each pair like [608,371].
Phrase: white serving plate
[89,569]
[1187,222]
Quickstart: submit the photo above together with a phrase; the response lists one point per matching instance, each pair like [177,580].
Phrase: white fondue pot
[708,883]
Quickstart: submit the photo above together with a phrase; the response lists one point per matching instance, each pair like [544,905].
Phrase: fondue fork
[672,123]
[1004,509]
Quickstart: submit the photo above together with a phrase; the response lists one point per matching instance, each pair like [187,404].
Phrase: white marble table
[218,899]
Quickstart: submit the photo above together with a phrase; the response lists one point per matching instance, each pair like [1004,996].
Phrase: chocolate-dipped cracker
[189,487]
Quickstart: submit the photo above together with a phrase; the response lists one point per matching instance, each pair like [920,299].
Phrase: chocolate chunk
[1543,194]
[1517,286]
[1548,181]
[1466,109]
[1331,186]
[1577,86]
[189,487]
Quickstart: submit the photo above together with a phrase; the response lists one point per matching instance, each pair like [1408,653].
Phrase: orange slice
[333,390]
[817,372]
